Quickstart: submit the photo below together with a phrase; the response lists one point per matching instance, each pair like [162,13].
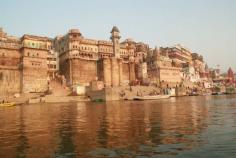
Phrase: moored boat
[217,93]
[151,97]
[7,104]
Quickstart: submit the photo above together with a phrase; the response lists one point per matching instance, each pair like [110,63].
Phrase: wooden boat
[217,93]
[151,97]
[7,104]
[193,94]
[206,94]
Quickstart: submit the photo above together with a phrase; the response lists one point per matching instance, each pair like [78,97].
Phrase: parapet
[74,31]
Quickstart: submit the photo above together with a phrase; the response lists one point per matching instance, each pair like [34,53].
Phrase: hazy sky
[207,27]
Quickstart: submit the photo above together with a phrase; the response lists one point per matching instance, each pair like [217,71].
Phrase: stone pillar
[131,72]
[115,72]
[107,72]
[70,66]
[144,70]
[120,72]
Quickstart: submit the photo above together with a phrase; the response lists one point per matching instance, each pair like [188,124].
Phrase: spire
[115,29]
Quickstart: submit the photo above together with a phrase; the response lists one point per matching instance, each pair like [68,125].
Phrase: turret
[115,37]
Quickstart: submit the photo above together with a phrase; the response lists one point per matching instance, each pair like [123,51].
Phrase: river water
[202,126]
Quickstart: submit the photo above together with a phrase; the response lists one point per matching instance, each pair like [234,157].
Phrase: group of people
[3,101]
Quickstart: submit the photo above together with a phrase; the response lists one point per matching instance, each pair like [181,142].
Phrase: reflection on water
[176,127]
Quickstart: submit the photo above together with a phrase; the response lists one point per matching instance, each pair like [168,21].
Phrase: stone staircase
[57,89]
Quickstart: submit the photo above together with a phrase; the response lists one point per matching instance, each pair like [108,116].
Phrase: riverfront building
[29,63]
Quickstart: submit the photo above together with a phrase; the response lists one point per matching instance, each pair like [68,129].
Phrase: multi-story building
[52,63]
[83,60]
[179,54]
[10,64]
[34,53]
[230,75]
[23,63]
[161,69]
[28,63]
[200,66]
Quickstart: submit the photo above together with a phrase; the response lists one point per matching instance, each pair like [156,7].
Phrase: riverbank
[46,99]
[36,98]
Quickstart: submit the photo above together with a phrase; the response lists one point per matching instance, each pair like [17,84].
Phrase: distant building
[179,54]
[230,76]
[27,64]
[82,60]
[161,70]
[52,63]
[24,63]
[10,64]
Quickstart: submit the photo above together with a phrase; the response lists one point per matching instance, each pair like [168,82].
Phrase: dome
[74,31]
[115,29]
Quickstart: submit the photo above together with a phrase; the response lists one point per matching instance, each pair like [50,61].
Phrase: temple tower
[115,37]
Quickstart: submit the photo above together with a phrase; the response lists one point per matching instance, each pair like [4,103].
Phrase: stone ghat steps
[57,89]
[64,99]
[132,91]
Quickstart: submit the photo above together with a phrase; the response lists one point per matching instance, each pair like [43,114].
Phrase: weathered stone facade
[83,60]
[23,64]
[10,64]
[161,69]
[28,63]
[110,71]
[34,52]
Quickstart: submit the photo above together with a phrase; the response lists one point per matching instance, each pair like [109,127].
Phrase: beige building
[10,64]
[34,52]
[28,63]
[23,63]
[161,70]
[82,60]
[179,54]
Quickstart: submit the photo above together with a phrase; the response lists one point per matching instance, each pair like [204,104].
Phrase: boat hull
[156,97]
[7,104]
